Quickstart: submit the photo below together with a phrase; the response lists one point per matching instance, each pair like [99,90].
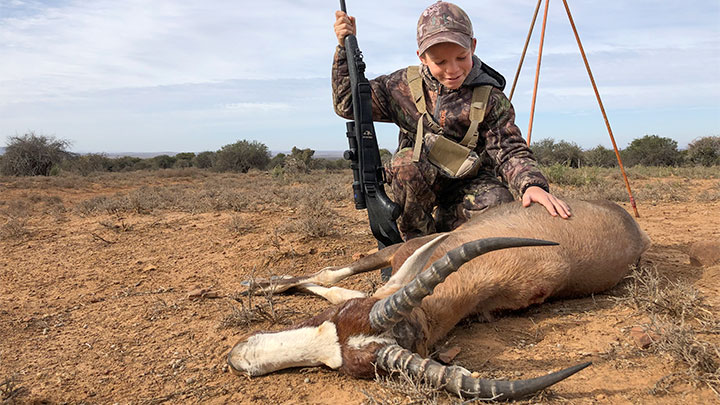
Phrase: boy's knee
[402,169]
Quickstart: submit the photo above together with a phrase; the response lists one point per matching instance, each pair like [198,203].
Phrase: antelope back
[597,246]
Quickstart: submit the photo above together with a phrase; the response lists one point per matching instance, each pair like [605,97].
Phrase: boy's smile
[449,63]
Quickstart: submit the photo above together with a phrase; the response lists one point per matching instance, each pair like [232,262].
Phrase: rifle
[364,154]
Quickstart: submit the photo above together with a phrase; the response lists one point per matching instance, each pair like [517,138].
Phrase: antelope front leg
[278,284]
[325,277]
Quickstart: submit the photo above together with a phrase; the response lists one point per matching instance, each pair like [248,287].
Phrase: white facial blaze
[304,347]
[360,341]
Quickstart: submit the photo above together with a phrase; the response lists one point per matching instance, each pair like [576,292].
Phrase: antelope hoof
[238,365]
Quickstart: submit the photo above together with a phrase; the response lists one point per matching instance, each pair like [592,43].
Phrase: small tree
[124,163]
[568,154]
[652,150]
[704,151]
[299,161]
[204,160]
[86,164]
[277,161]
[163,161]
[241,156]
[33,155]
[183,160]
[600,156]
[547,153]
[385,156]
[543,151]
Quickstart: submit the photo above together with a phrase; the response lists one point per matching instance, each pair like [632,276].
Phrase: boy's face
[449,62]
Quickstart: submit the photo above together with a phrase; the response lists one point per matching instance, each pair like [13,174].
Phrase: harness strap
[478,105]
[415,82]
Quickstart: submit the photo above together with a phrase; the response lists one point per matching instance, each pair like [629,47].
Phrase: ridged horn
[390,310]
[457,380]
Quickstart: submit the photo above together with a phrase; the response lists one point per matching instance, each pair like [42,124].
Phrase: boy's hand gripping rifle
[364,155]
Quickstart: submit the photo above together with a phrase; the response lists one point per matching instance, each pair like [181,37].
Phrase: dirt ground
[124,289]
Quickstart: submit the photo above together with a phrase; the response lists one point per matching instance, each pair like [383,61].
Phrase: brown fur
[596,247]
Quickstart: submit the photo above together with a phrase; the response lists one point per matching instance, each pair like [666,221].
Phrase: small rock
[190,381]
[600,397]
[642,338]
[475,374]
[149,267]
[199,293]
[307,380]
[447,355]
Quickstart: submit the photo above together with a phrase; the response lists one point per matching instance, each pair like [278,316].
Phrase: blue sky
[192,75]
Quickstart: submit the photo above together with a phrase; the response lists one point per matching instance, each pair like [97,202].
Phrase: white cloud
[159,67]
[258,107]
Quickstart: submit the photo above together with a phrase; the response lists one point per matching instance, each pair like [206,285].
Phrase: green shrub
[87,164]
[163,162]
[142,164]
[183,160]
[123,163]
[547,153]
[385,156]
[277,161]
[242,156]
[204,160]
[652,150]
[600,156]
[569,176]
[33,155]
[704,151]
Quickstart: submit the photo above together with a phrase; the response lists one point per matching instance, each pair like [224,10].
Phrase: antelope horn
[457,380]
[390,310]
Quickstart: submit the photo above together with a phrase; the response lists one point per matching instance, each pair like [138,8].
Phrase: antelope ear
[411,267]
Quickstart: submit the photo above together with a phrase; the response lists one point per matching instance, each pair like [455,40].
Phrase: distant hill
[142,155]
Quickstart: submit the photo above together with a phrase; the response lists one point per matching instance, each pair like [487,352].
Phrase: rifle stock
[364,153]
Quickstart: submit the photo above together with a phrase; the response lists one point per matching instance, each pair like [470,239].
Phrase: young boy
[452,96]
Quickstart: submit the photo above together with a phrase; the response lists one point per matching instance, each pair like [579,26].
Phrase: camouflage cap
[443,22]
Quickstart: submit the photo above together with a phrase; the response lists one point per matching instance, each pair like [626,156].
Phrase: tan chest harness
[455,159]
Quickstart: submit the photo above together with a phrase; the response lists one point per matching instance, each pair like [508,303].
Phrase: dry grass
[252,311]
[401,388]
[678,323]
[10,391]
[14,228]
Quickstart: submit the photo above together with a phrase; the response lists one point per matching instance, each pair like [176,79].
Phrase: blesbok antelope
[395,328]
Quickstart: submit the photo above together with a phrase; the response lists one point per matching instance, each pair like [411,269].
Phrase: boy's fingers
[549,206]
[562,207]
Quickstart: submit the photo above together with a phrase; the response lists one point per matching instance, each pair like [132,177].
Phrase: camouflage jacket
[500,142]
